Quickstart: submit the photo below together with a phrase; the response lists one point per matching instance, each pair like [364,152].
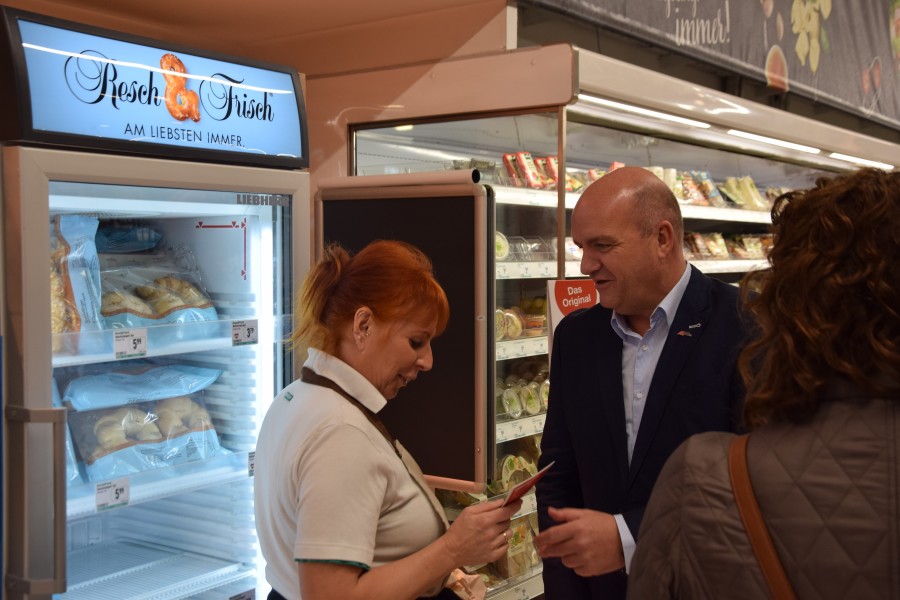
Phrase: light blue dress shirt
[640,354]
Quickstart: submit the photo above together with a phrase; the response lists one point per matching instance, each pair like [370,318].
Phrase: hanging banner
[846,54]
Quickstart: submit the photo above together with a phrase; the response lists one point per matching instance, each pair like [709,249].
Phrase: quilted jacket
[829,491]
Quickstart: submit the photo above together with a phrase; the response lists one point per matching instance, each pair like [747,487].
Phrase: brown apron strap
[307,375]
[760,539]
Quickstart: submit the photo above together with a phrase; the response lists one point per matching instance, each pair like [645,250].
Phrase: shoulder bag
[760,539]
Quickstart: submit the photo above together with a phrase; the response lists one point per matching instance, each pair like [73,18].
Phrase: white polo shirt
[329,486]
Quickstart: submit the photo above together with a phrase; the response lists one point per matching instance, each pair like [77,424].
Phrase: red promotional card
[522,488]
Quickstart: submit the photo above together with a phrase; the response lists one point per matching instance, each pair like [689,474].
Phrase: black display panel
[435,416]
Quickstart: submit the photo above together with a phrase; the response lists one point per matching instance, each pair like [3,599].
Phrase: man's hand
[587,541]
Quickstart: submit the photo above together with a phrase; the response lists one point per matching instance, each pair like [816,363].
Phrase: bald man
[630,379]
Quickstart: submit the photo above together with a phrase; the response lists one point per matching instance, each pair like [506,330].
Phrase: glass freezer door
[154,318]
[166,310]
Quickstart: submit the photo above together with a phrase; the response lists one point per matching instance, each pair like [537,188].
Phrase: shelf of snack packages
[523,176]
[735,201]
[716,241]
[519,571]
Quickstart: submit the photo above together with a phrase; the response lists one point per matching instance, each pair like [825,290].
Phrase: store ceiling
[243,27]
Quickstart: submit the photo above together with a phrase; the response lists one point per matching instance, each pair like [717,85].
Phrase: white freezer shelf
[125,569]
[163,482]
[162,340]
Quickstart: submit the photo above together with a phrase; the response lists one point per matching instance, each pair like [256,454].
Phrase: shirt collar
[348,378]
[663,311]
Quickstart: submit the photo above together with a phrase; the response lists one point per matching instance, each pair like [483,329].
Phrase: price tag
[113,494]
[244,332]
[502,270]
[501,435]
[251,463]
[547,269]
[130,343]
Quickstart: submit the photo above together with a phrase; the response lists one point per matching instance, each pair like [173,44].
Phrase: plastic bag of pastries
[74,284]
[129,439]
[73,473]
[151,290]
[137,381]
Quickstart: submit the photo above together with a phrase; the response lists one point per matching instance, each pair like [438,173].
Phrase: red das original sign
[566,295]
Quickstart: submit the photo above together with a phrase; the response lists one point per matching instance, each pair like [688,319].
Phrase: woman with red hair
[342,510]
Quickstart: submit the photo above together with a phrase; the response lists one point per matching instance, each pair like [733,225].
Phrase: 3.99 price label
[130,343]
[244,332]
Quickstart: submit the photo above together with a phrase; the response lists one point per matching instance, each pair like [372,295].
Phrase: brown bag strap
[307,375]
[766,555]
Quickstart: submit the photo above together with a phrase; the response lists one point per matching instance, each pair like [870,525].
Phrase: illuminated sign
[110,92]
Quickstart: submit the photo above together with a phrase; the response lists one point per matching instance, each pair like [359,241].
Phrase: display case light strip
[643,111]
[773,141]
[862,161]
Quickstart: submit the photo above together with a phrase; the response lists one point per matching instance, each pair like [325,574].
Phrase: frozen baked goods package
[74,284]
[125,236]
[146,290]
[73,474]
[138,382]
[123,440]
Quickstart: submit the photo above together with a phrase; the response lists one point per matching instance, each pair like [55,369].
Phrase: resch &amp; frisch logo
[93,78]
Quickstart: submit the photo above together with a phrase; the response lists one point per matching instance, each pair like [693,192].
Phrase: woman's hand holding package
[479,534]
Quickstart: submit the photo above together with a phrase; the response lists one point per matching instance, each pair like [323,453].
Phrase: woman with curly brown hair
[823,411]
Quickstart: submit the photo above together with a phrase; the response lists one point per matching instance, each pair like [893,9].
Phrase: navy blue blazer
[696,387]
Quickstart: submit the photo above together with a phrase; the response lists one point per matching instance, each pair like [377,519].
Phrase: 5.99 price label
[130,343]
[244,332]
[113,494]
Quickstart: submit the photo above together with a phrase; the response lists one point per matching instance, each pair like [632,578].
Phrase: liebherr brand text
[264,199]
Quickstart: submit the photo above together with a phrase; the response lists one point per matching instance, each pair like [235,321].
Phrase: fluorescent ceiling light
[862,161]
[643,111]
[773,141]
[403,128]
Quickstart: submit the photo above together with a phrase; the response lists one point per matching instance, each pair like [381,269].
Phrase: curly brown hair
[829,305]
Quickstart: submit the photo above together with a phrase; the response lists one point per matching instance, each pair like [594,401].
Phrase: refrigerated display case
[147,274]
[539,124]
